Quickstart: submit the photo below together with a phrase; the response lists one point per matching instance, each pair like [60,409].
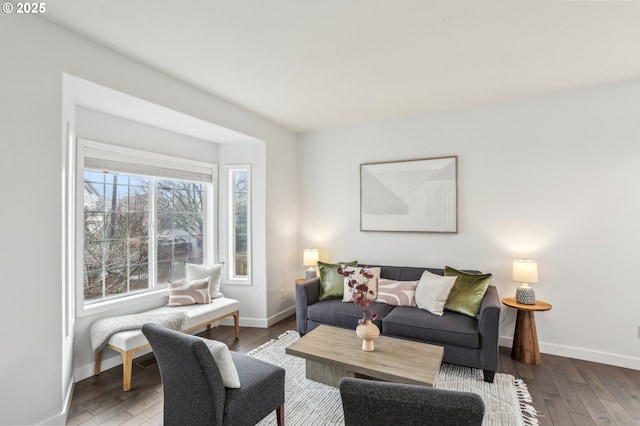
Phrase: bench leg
[127,367]
[236,323]
[98,362]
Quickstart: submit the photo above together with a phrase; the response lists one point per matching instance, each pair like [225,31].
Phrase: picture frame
[418,195]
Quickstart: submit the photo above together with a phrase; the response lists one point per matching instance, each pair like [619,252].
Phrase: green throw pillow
[331,282]
[467,292]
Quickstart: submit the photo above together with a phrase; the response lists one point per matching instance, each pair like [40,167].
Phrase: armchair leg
[280,415]
[488,375]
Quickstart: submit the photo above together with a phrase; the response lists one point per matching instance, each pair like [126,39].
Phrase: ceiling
[310,65]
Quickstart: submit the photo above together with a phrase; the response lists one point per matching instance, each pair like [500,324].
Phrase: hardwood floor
[565,391]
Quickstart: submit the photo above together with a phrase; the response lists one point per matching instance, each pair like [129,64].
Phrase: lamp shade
[525,271]
[310,257]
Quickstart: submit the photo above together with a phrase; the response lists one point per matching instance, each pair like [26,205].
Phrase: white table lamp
[310,259]
[525,271]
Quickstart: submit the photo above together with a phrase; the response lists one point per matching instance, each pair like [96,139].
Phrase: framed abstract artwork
[410,196]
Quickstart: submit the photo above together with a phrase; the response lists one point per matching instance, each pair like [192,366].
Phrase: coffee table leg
[327,374]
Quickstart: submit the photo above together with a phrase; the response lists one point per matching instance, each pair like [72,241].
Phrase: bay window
[143,215]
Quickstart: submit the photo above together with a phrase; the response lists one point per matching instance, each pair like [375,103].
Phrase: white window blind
[99,157]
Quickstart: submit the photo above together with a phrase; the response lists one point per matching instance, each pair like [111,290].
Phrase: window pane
[116,197]
[93,227]
[117,234]
[138,251]
[240,225]
[171,271]
[92,285]
[116,237]
[139,181]
[138,225]
[139,198]
[241,266]
[179,218]
[139,277]
[93,256]
[116,281]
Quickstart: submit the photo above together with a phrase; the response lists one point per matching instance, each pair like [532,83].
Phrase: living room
[547,175]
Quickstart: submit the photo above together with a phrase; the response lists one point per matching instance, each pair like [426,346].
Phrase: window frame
[231,276]
[148,161]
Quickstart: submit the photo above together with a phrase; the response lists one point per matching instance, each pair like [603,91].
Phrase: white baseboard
[260,322]
[61,418]
[282,315]
[580,353]
[87,371]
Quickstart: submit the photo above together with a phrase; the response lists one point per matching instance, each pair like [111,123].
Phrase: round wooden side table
[525,337]
[300,281]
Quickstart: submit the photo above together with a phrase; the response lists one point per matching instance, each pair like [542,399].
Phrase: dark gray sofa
[466,341]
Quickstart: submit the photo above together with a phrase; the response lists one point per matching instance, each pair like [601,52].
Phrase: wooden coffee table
[332,353]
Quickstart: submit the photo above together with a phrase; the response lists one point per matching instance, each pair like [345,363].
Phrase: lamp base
[310,274]
[525,295]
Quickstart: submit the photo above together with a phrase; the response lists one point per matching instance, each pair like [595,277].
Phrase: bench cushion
[196,315]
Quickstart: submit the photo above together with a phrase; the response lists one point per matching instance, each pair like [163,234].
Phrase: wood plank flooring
[565,391]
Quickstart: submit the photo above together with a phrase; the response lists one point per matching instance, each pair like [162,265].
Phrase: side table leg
[525,339]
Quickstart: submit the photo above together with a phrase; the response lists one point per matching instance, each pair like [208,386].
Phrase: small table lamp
[525,271]
[310,259]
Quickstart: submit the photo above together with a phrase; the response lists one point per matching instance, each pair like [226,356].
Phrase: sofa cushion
[331,282]
[467,292]
[345,315]
[449,329]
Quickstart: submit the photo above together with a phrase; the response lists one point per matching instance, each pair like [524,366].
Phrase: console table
[525,337]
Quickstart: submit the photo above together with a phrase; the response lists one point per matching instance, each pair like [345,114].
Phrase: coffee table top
[393,360]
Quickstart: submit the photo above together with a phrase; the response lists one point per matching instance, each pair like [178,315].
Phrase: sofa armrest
[488,322]
[307,293]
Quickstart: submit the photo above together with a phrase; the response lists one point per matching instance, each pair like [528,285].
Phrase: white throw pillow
[198,272]
[222,357]
[432,292]
[361,279]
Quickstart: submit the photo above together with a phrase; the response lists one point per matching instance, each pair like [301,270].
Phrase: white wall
[99,126]
[35,364]
[552,178]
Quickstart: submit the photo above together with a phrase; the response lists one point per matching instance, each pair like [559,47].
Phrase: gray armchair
[193,389]
[371,403]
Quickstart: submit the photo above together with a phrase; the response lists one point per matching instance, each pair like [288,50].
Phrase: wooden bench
[129,342]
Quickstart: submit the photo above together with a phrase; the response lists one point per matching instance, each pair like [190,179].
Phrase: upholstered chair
[371,403]
[192,382]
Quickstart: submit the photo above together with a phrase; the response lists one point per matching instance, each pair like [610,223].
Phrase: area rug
[507,400]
